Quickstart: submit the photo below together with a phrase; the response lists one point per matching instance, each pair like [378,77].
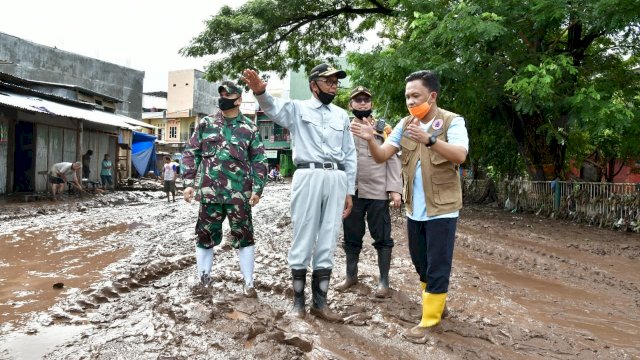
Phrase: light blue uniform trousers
[317,202]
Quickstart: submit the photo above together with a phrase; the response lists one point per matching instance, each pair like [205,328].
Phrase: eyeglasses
[361,100]
[330,83]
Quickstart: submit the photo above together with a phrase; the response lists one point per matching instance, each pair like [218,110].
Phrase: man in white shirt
[169,177]
[59,175]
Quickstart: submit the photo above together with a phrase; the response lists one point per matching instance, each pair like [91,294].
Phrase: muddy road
[522,287]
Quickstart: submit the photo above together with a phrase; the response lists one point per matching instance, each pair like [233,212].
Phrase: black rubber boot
[299,282]
[352,272]
[384,263]
[320,287]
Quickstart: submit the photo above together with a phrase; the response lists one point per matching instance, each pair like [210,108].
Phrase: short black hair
[429,79]
[89,152]
[167,158]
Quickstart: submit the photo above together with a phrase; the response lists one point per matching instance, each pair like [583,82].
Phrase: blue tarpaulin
[143,153]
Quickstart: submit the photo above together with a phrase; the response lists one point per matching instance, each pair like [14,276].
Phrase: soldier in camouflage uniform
[227,153]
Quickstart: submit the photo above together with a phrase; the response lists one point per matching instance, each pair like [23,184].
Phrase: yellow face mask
[421,110]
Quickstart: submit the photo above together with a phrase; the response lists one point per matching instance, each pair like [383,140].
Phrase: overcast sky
[142,34]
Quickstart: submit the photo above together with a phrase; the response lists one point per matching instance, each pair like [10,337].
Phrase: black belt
[317,165]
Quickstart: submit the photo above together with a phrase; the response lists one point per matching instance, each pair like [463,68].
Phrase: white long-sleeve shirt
[319,133]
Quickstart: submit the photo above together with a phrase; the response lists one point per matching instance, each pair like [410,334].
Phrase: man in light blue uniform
[325,157]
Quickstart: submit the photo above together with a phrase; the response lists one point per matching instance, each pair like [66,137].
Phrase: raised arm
[379,153]
[279,111]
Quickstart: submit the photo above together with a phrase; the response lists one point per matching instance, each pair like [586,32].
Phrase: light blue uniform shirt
[319,133]
[457,135]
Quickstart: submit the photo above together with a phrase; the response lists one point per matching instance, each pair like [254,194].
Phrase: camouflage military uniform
[229,158]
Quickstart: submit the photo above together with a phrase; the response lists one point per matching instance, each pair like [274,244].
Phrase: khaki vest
[440,179]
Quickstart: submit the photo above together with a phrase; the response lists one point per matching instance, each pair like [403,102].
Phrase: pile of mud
[520,288]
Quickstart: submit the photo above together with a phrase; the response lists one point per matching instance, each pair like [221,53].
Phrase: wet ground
[112,277]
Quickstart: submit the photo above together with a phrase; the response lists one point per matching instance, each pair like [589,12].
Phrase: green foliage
[538,83]
[278,35]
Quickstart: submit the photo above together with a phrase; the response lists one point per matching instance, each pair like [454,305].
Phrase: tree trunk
[545,161]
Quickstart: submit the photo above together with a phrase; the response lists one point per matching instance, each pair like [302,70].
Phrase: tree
[529,69]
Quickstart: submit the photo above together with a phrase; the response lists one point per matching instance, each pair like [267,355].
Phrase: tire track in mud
[500,303]
[230,322]
[577,302]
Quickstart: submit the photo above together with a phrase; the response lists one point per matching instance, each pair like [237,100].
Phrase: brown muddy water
[522,287]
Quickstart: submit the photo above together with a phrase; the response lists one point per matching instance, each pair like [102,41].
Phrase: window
[173,129]
[160,133]
[192,128]
[265,131]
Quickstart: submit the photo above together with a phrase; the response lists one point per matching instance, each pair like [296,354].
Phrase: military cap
[324,70]
[359,90]
[230,88]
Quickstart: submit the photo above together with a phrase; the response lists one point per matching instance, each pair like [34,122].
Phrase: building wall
[101,144]
[54,140]
[184,127]
[42,63]
[299,81]
[205,98]
[299,86]
[189,90]
[180,91]
[4,151]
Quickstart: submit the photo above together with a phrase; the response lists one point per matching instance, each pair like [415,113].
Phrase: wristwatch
[432,140]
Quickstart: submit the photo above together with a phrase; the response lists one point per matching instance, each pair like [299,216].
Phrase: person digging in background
[59,176]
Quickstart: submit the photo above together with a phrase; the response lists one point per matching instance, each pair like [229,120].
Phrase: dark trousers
[378,219]
[431,247]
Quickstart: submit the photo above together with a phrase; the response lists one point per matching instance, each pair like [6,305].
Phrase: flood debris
[117,280]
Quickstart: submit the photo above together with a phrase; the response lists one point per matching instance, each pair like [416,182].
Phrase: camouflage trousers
[209,225]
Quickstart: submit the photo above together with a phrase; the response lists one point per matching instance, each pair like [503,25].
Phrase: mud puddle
[521,288]
[39,267]
[39,341]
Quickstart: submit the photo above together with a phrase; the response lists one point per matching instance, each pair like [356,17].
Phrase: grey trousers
[317,202]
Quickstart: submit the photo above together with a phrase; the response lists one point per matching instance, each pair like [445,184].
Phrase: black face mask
[226,104]
[324,97]
[361,114]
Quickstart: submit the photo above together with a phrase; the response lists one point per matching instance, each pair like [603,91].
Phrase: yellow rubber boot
[432,308]
[445,312]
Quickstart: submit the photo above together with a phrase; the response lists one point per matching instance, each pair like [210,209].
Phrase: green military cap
[230,88]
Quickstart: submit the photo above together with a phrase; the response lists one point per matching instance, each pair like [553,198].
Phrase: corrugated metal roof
[18,80]
[153,115]
[37,104]
[139,123]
